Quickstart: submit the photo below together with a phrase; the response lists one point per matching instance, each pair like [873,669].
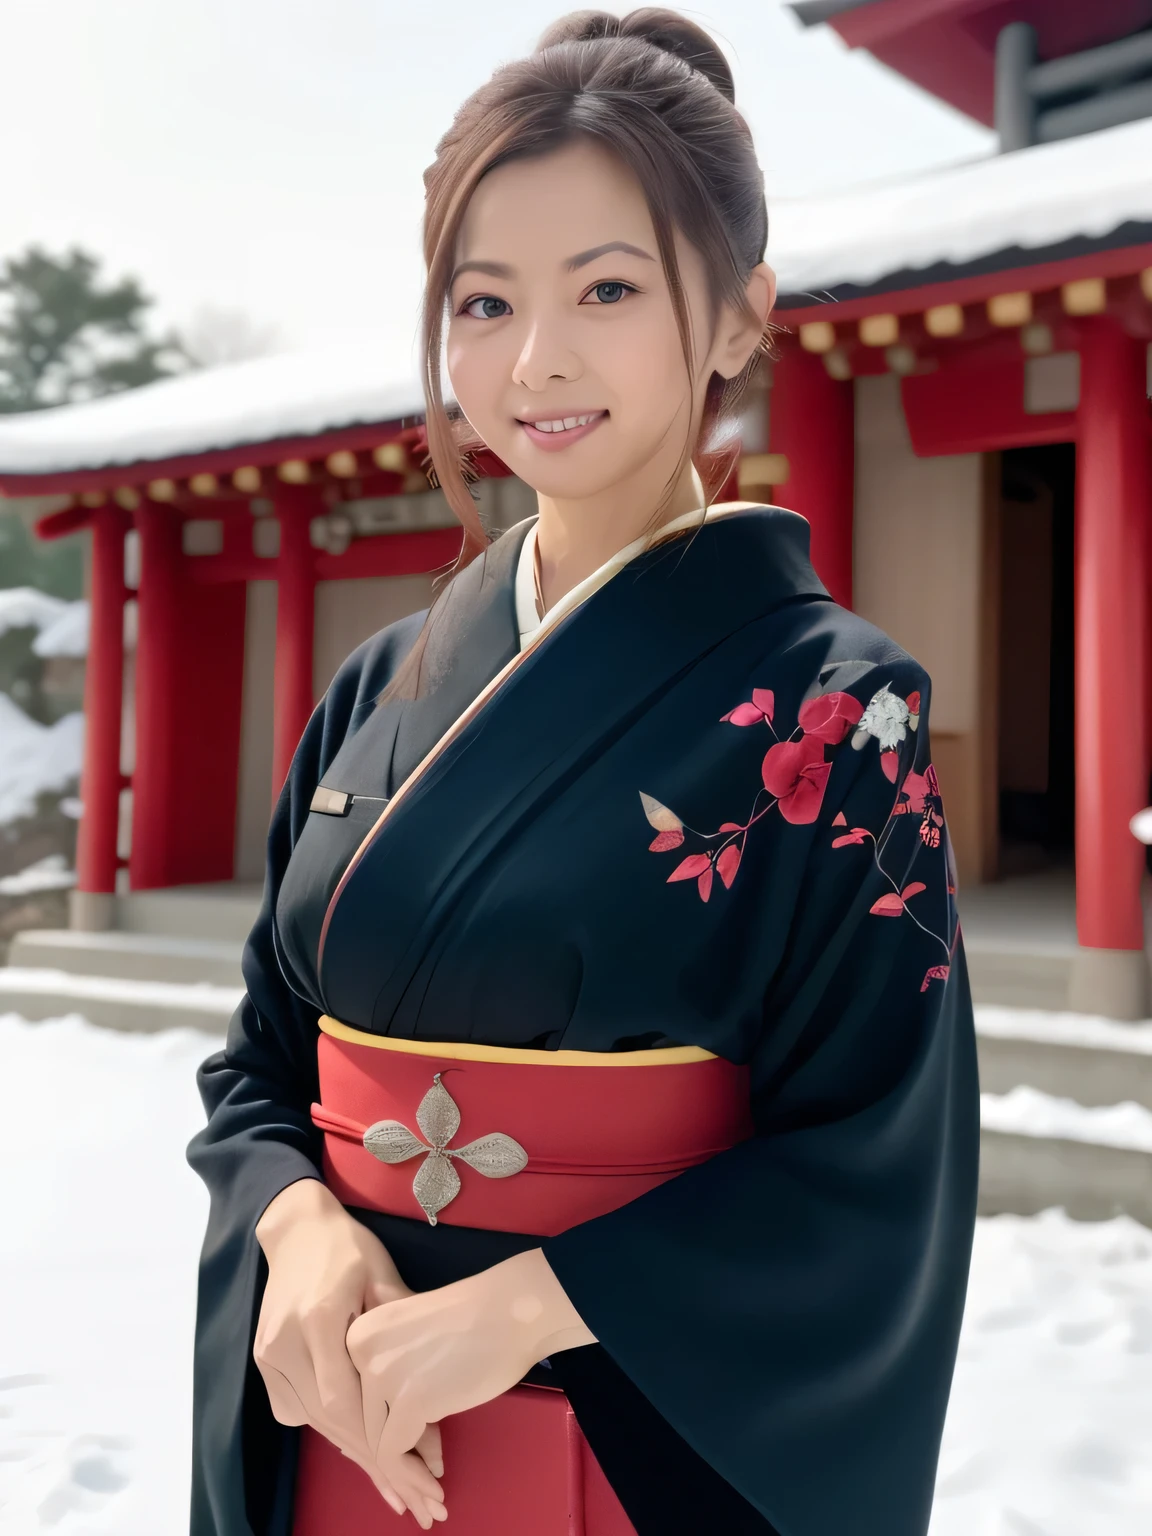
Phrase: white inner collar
[527,619]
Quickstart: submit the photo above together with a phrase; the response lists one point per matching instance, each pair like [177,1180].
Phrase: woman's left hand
[448,1350]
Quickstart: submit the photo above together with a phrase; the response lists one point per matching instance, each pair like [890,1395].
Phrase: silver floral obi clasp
[437,1183]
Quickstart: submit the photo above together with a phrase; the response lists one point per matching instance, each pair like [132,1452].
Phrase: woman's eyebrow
[584,257]
[581,259]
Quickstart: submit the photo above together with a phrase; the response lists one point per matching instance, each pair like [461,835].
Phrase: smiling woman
[594,1152]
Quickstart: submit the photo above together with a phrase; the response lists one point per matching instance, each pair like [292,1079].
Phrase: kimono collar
[528,621]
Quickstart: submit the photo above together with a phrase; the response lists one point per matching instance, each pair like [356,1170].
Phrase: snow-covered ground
[100,1225]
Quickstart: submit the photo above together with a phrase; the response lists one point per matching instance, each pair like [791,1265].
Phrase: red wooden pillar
[156,806]
[1113,509]
[295,631]
[812,422]
[96,860]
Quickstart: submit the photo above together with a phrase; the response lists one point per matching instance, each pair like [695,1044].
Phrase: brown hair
[653,88]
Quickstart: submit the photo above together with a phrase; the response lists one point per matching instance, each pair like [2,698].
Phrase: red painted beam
[217,461]
[392,554]
[948,47]
[57,525]
[977,409]
[1125,261]
[1113,518]
[382,554]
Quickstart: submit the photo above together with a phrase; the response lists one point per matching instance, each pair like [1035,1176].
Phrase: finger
[399,1463]
[424,1508]
[383,1487]
[284,1400]
[430,1450]
[339,1393]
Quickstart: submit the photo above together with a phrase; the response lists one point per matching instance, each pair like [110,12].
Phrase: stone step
[115,1002]
[1017,976]
[191,912]
[1026,1174]
[132,956]
[1093,1061]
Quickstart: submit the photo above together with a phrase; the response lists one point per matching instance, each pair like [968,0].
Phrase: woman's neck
[575,538]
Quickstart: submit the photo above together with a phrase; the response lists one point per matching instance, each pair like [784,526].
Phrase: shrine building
[959,407]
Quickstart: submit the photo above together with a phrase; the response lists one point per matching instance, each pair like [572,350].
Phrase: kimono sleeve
[258,1139]
[792,1306]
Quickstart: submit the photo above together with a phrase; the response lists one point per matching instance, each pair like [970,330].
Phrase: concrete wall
[347,612]
[918,575]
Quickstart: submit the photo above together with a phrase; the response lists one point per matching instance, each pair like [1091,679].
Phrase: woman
[636,796]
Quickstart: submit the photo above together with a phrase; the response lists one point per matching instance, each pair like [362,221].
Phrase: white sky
[266,155]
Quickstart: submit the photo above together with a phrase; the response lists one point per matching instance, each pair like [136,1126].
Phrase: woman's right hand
[324,1269]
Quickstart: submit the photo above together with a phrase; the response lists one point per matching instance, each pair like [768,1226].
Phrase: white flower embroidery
[886,718]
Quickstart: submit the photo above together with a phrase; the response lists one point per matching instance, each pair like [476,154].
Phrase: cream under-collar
[527,619]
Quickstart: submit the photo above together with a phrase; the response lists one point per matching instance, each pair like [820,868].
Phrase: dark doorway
[1037,660]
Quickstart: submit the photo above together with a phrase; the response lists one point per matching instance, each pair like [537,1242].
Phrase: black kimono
[699,810]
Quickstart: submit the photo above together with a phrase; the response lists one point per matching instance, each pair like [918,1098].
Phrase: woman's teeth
[566,423]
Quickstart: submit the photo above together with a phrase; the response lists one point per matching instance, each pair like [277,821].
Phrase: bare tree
[217,335]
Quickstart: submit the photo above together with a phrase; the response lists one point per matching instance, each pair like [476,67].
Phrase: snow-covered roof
[298,394]
[1033,199]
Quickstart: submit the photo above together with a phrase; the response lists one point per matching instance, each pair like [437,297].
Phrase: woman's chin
[565,483]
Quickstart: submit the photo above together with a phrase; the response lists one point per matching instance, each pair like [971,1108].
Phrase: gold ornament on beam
[204,484]
[944,320]
[392,457]
[162,490]
[127,497]
[1010,309]
[880,330]
[93,499]
[246,479]
[901,360]
[1037,339]
[818,336]
[342,464]
[838,365]
[1146,283]
[293,471]
[1087,296]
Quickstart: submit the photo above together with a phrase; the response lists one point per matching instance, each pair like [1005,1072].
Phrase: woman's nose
[545,355]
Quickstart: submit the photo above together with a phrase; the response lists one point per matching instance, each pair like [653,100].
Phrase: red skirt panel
[517,1466]
[510,1141]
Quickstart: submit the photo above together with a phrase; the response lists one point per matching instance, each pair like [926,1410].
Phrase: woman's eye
[609,293]
[490,308]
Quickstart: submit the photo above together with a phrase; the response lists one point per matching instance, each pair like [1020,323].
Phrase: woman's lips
[552,442]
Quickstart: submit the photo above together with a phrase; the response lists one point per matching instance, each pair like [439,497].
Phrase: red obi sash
[507,1141]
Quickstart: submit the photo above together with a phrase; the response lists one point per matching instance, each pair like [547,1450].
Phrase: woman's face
[559,309]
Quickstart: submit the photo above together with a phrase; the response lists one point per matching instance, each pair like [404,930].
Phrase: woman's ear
[739,337]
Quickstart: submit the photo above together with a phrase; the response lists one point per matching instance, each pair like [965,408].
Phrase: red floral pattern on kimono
[795,774]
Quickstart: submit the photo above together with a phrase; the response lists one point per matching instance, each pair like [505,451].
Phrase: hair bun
[663,29]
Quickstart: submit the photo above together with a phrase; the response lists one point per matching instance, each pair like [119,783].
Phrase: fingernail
[439,1511]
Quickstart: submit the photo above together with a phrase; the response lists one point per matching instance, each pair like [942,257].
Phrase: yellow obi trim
[466,1050]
